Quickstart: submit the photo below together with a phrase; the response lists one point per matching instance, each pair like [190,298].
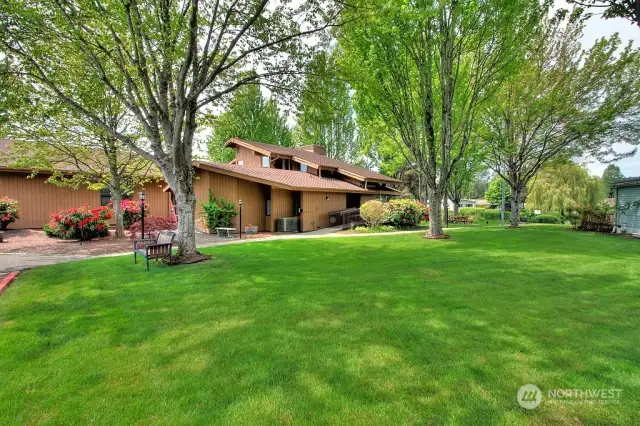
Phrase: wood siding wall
[158,200]
[281,206]
[248,158]
[38,199]
[316,208]
[232,189]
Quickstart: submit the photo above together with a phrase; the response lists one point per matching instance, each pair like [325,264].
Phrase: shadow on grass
[360,330]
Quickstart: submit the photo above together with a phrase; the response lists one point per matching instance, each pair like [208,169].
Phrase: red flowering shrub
[131,211]
[406,213]
[153,225]
[79,224]
[8,212]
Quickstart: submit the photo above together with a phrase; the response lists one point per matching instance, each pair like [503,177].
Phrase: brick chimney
[316,149]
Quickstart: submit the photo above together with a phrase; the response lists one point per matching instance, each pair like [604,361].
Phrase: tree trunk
[186,204]
[435,214]
[456,207]
[516,196]
[116,198]
[445,208]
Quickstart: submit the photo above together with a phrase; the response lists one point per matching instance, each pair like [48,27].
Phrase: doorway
[297,207]
[353,201]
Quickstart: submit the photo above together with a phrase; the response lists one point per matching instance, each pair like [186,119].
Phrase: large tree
[423,69]
[464,174]
[51,136]
[564,185]
[564,101]
[250,116]
[325,113]
[625,9]
[173,58]
[611,174]
[494,191]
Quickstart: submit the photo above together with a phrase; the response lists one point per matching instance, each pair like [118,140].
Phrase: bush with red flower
[9,212]
[153,225]
[131,212]
[407,213]
[83,223]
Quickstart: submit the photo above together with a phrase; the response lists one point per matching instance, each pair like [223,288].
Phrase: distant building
[627,194]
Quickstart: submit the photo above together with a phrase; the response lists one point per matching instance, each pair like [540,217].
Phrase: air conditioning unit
[287,224]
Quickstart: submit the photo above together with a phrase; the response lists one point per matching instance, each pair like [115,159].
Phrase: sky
[596,28]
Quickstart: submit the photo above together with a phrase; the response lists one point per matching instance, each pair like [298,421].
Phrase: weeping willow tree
[559,187]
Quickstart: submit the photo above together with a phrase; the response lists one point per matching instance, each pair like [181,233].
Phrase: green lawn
[363,330]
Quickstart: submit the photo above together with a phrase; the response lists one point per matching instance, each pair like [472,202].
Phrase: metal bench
[154,249]
[226,232]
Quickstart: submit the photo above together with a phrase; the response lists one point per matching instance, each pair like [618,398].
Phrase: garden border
[8,280]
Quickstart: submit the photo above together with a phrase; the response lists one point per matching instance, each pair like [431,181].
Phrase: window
[265,162]
[303,168]
[105,196]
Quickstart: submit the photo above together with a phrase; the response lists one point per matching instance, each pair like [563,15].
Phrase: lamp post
[142,198]
[240,205]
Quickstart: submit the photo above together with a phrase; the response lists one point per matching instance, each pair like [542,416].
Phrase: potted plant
[250,229]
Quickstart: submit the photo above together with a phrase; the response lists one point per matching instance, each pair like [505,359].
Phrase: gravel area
[35,241]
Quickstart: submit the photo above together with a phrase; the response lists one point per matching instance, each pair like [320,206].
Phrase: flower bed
[82,223]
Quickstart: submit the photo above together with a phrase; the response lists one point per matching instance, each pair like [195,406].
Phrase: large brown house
[273,183]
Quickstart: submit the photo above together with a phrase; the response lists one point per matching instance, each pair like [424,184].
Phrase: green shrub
[374,212]
[471,211]
[493,214]
[219,212]
[406,213]
[596,219]
[8,212]
[545,218]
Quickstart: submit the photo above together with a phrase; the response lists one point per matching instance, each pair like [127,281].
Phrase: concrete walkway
[19,261]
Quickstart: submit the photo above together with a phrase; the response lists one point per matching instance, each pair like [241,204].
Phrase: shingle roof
[317,159]
[630,181]
[288,179]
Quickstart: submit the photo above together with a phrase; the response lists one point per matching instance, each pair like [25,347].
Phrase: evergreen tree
[250,116]
[326,115]
[611,174]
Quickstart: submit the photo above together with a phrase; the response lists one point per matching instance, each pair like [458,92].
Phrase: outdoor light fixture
[326,198]
[142,198]
[240,205]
